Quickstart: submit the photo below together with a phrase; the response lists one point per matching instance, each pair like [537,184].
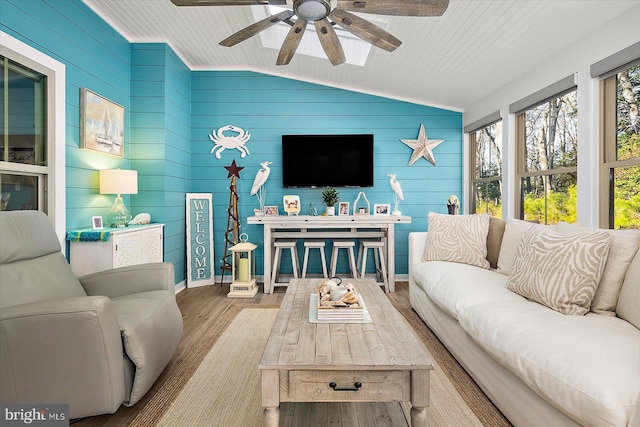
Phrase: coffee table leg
[420,386]
[271,397]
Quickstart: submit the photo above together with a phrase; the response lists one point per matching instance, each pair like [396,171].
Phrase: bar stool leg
[294,262]
[324,263]
[276,265]
[383,269]
[363,265]
[305,261]
[352,262]
[334,261]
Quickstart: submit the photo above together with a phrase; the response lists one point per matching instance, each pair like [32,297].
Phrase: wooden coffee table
[382,361]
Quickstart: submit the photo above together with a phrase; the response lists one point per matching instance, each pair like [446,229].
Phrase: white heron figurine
[397,190]
[259,181]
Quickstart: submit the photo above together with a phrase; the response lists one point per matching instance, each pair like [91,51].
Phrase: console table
[132,245]
[328,227]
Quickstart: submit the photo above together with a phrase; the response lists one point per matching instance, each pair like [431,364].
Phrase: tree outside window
[624,151]
[486,182]
[548,160]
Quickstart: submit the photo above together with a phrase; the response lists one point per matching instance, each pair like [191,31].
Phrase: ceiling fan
[324,14]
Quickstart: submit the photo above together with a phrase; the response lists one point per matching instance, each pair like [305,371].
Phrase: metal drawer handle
[356,386]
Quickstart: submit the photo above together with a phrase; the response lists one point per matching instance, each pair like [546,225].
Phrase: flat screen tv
[327,160]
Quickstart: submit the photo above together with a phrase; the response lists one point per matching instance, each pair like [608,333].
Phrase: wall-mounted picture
[343,208]
[382,209]
[96,222]
[101,124]
[271,210]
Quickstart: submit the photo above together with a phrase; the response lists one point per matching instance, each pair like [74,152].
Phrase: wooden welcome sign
[200,268]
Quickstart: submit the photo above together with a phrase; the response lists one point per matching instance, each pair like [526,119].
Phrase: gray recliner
[93,342]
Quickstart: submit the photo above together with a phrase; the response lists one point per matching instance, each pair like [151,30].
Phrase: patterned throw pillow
[458,238]
[560,271]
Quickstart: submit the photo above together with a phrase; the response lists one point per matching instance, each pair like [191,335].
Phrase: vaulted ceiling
[451,61]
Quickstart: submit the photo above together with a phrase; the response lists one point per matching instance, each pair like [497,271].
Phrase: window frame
[608,146]
[520,161]
[53,187]
[473,180]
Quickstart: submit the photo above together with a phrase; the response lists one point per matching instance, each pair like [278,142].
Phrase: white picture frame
[96,222]
[381,209]
[343,208]
[271,211]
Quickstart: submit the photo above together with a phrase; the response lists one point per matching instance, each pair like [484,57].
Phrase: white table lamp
[118,182]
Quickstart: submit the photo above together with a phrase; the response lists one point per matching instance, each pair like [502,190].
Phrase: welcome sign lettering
[200,269]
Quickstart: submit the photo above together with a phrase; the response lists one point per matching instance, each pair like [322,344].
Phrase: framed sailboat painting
[101,124]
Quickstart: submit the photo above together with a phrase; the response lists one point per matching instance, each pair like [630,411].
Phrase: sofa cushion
[458,238]
[453,286]
[586,365]
[624,245]
[151,327]
[494,240]
[513,231]
[628,307]
[561,271]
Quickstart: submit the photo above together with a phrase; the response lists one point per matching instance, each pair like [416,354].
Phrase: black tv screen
[327,160]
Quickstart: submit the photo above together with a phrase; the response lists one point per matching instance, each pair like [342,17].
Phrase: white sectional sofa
[539,366]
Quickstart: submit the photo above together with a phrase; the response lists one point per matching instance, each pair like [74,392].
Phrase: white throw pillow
[458,238]
[560,271]
[624,245]
[513,231]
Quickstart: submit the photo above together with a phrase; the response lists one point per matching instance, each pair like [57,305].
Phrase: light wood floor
[201,308]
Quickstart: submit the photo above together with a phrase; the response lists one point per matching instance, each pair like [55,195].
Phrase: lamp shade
[118,181]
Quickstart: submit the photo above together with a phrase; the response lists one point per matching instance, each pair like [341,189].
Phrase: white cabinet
[127,246]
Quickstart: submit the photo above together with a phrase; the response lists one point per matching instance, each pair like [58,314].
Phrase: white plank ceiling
[450,61]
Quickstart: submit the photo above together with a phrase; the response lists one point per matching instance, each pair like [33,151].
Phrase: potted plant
[330,197]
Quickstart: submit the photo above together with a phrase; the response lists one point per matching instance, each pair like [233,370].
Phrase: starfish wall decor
[422,147]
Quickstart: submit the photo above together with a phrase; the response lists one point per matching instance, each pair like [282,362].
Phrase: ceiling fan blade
[329,41]
[227,2]
[291,42]
[254,29]
[396,7]
[365,30]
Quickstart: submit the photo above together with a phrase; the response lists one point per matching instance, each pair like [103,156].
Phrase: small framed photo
[271,211]
[343,208]
[382,209]
[360,211]
[96,222]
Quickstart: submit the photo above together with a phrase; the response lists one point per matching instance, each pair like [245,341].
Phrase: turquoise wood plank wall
[160,142]
[96,57]
[267,107]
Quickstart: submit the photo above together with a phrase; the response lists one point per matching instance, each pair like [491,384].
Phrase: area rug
[218,384]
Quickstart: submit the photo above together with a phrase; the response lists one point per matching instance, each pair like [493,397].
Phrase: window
[620,174]
[44,176]
[486,173]
[547,160]
[23,137]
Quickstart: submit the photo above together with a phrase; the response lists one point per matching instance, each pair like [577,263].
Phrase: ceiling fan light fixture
[312,10]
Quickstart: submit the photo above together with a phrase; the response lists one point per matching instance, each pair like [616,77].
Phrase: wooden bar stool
[279,246]
[348,245]
[378,255]
[308,245]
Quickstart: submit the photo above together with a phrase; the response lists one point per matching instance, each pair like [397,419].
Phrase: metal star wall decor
[234,170]
[422,147]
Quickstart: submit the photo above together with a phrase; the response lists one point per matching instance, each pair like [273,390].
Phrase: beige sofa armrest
[417,244]
[130,280]
[66,351]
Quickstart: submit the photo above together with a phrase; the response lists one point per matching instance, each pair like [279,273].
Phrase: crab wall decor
[221,141]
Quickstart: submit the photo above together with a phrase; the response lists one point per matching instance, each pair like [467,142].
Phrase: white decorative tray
[342,316]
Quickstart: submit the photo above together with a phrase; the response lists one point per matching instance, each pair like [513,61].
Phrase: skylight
[355,49]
